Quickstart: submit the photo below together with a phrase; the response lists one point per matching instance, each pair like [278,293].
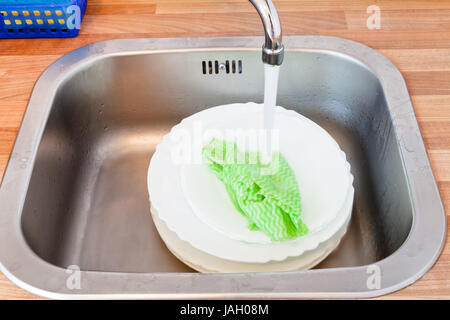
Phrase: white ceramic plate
[203,262]
[320,168]
[168,199]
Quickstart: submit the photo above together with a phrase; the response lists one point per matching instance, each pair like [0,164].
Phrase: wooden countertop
[414,35]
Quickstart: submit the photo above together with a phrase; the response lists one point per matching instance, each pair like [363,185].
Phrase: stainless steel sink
[74,192]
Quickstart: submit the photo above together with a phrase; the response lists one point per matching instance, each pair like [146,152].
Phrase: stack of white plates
[196,218]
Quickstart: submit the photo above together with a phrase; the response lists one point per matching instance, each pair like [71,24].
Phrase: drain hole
[204,67]
[215,66]
[210,67]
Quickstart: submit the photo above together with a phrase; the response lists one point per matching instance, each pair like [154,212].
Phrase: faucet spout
[273,50]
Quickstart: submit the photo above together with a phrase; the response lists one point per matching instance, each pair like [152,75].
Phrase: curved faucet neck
[273,50]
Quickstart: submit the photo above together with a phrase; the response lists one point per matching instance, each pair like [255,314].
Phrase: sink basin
[74,192]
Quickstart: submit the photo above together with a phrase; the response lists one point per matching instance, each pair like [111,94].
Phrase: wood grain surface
[414,35]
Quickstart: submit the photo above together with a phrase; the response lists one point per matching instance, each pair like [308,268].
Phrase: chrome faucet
[273,50]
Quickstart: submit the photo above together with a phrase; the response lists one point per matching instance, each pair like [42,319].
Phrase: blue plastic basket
[40,19]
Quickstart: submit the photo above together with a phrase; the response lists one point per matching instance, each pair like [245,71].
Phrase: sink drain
[215,67]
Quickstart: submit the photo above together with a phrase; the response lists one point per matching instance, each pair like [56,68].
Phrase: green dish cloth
[266,194]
